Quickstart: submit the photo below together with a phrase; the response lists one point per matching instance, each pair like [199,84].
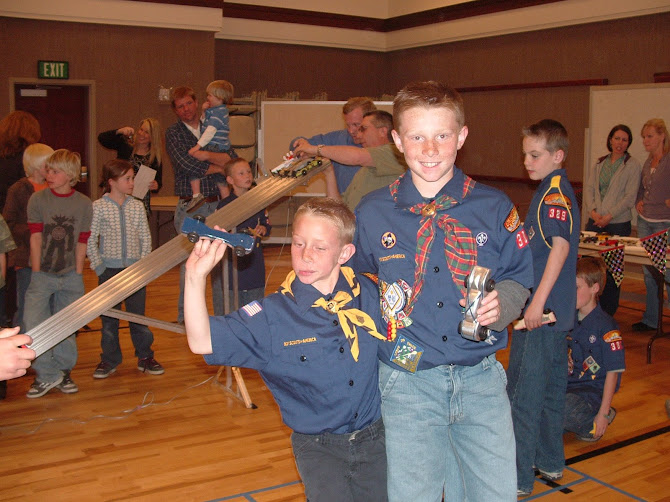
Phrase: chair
[243,136]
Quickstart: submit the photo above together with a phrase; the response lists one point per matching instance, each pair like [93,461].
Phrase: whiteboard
[631,105]
[281,121]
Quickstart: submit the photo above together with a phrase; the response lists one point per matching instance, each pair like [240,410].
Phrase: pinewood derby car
[195,228]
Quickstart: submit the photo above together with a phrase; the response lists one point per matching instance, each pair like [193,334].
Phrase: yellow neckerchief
[349,318]
[555,183]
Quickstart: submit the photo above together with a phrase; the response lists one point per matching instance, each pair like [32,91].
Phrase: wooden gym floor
[180,437]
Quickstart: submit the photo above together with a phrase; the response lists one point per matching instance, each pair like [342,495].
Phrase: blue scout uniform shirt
[554,212]
[386,238]
[596,347]
[251,267]
[304,358]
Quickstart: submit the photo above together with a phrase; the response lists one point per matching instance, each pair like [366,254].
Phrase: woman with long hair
[143,146]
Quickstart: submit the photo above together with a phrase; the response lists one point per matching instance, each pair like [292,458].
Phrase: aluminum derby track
[100,300]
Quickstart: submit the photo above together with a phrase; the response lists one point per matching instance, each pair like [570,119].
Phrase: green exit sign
[53,69]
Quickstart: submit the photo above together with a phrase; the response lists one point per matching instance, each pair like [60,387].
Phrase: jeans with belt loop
[449,431]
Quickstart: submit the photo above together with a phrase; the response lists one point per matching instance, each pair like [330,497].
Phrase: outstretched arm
[205,255]
[348,155]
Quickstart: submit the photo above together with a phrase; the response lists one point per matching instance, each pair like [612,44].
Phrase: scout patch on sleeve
[521,239]
[512,221]
[251,309]
[613,338]
[557,199]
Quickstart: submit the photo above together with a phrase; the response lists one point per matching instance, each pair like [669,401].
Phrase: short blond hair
[333,210]
[35,157]
[68,162]
[365,104]
[222,89]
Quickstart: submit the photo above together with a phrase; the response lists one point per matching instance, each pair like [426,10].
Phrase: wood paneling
[127,64]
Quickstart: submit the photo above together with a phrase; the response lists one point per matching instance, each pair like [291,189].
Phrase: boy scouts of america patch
[557,199]
[394,297]
[512,221]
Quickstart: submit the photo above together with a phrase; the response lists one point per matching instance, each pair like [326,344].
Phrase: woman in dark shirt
[143,146]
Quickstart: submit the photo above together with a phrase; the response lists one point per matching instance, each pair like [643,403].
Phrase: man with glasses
[381,161]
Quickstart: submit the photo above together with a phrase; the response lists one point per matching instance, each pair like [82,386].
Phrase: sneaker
[103,370]
[551,476]
[522,493]
[195,203]
[611,415]
[150,365]
[640,326]
[38,389]
[67,386]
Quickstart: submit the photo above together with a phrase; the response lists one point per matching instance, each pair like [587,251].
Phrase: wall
[127,64]
[626,51]
[281,68]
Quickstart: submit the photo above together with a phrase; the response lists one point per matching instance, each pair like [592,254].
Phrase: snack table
[633,253]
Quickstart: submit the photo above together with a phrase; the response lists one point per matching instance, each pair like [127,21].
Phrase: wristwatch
[318,150]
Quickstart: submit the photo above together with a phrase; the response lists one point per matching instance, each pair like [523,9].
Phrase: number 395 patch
[558,214]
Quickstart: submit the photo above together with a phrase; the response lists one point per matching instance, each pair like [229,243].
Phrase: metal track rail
[98,301]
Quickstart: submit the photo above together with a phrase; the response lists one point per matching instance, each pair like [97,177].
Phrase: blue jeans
[650,317]
[538,377]
[342,467]
[22,282]
[448,432]
[46,295]
[215,276]
[141,335]
[579,414]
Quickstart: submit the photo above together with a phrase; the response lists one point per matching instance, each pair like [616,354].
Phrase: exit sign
[53,69]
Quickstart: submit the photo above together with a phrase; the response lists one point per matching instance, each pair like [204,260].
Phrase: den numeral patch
[558,214]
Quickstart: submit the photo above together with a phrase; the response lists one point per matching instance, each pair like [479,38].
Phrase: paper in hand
[144,176]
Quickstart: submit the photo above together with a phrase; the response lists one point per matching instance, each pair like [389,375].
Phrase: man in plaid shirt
[180,137]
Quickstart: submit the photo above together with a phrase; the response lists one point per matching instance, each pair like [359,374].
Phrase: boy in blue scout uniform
[537,369]
[596,357]
[316,349]
[251,267]
[446,412]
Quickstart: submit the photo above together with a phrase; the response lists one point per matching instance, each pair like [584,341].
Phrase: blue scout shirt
[251,267]
[343,173]
[386,238]
[596,347]
[304,358]
[554,212]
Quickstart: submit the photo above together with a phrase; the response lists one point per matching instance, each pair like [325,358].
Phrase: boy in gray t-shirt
[60,224]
